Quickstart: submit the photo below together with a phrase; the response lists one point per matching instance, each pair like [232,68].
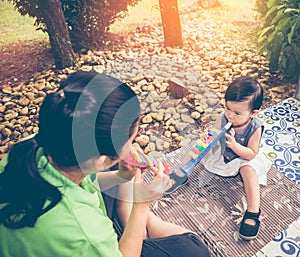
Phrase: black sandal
[247,231]
[178,181]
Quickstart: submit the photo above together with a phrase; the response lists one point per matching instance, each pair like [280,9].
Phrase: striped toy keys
[136,157]
[196,154]
[202,147]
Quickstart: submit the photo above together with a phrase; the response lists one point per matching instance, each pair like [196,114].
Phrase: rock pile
[207,62]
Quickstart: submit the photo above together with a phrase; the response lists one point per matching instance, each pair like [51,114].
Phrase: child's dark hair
[93,103]
[245,88]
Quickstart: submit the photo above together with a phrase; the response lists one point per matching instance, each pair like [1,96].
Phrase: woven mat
[212,206]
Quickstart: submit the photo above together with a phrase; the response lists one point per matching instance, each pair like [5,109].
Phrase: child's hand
[230,140]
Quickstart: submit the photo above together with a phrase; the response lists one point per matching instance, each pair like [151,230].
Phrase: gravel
[208,61]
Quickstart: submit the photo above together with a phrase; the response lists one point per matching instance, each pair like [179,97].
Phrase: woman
[50,199]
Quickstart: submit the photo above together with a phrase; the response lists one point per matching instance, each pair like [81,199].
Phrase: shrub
[88,20]
[280,37]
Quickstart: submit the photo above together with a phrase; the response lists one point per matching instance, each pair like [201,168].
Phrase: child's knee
[247,169]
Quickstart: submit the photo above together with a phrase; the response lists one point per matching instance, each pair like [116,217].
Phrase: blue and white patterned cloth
[281,139]
[281,143]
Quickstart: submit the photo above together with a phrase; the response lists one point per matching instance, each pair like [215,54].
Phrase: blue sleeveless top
[241,137]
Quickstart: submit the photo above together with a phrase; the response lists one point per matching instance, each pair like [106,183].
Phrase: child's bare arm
[246,152]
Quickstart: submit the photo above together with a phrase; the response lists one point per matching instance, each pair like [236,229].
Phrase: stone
[157,116]
[2,108]
[147,119]
[187,119]
[280,90]
[199,109]
[7,89]
[3,149]
[137,79]
[142,140]
[24,101]
[6,132]
[162,145]
[150,147]
[10,116]
[24,111]
[38,100]
[180,126]
[195,115]
[177,89]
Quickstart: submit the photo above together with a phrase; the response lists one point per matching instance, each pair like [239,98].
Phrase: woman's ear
[102,162]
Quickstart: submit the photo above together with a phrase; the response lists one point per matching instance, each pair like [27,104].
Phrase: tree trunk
[52,14]
[171,22]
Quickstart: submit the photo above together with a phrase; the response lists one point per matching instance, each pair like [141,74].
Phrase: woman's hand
[144,192]
[126,171]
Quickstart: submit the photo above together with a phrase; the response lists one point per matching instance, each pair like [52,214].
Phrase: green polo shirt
[76,226]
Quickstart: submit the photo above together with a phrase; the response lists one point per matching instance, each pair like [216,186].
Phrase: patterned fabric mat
[286,244]
[281,143]
[281,139]
[213,210]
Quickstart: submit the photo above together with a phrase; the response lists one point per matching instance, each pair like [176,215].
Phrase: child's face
[238,113]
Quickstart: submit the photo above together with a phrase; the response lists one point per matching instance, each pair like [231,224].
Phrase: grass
[147,11]
[15,28]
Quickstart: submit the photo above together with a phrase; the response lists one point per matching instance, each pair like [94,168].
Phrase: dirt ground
[20,61]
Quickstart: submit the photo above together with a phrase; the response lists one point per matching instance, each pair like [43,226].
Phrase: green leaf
[283,62]
[271,37]
[273,10]
[261,39]
[277,17]
[276,51]
[291,68]
[288,10]
[262,48]
[294,28]
[272,3]
[297,53]
[284,25]
[263,32]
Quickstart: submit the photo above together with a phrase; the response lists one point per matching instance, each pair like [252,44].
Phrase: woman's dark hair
[245,88]
[89,109]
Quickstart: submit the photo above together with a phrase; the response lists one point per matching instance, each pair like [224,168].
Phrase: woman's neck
[75,174]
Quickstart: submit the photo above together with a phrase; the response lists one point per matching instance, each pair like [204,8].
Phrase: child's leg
[252,192]
[251,221]
[156,227]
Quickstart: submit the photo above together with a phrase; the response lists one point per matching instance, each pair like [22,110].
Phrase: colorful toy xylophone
[137,157]
[201,148]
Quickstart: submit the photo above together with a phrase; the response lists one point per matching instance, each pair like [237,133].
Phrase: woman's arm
[131,241]
[109,179]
